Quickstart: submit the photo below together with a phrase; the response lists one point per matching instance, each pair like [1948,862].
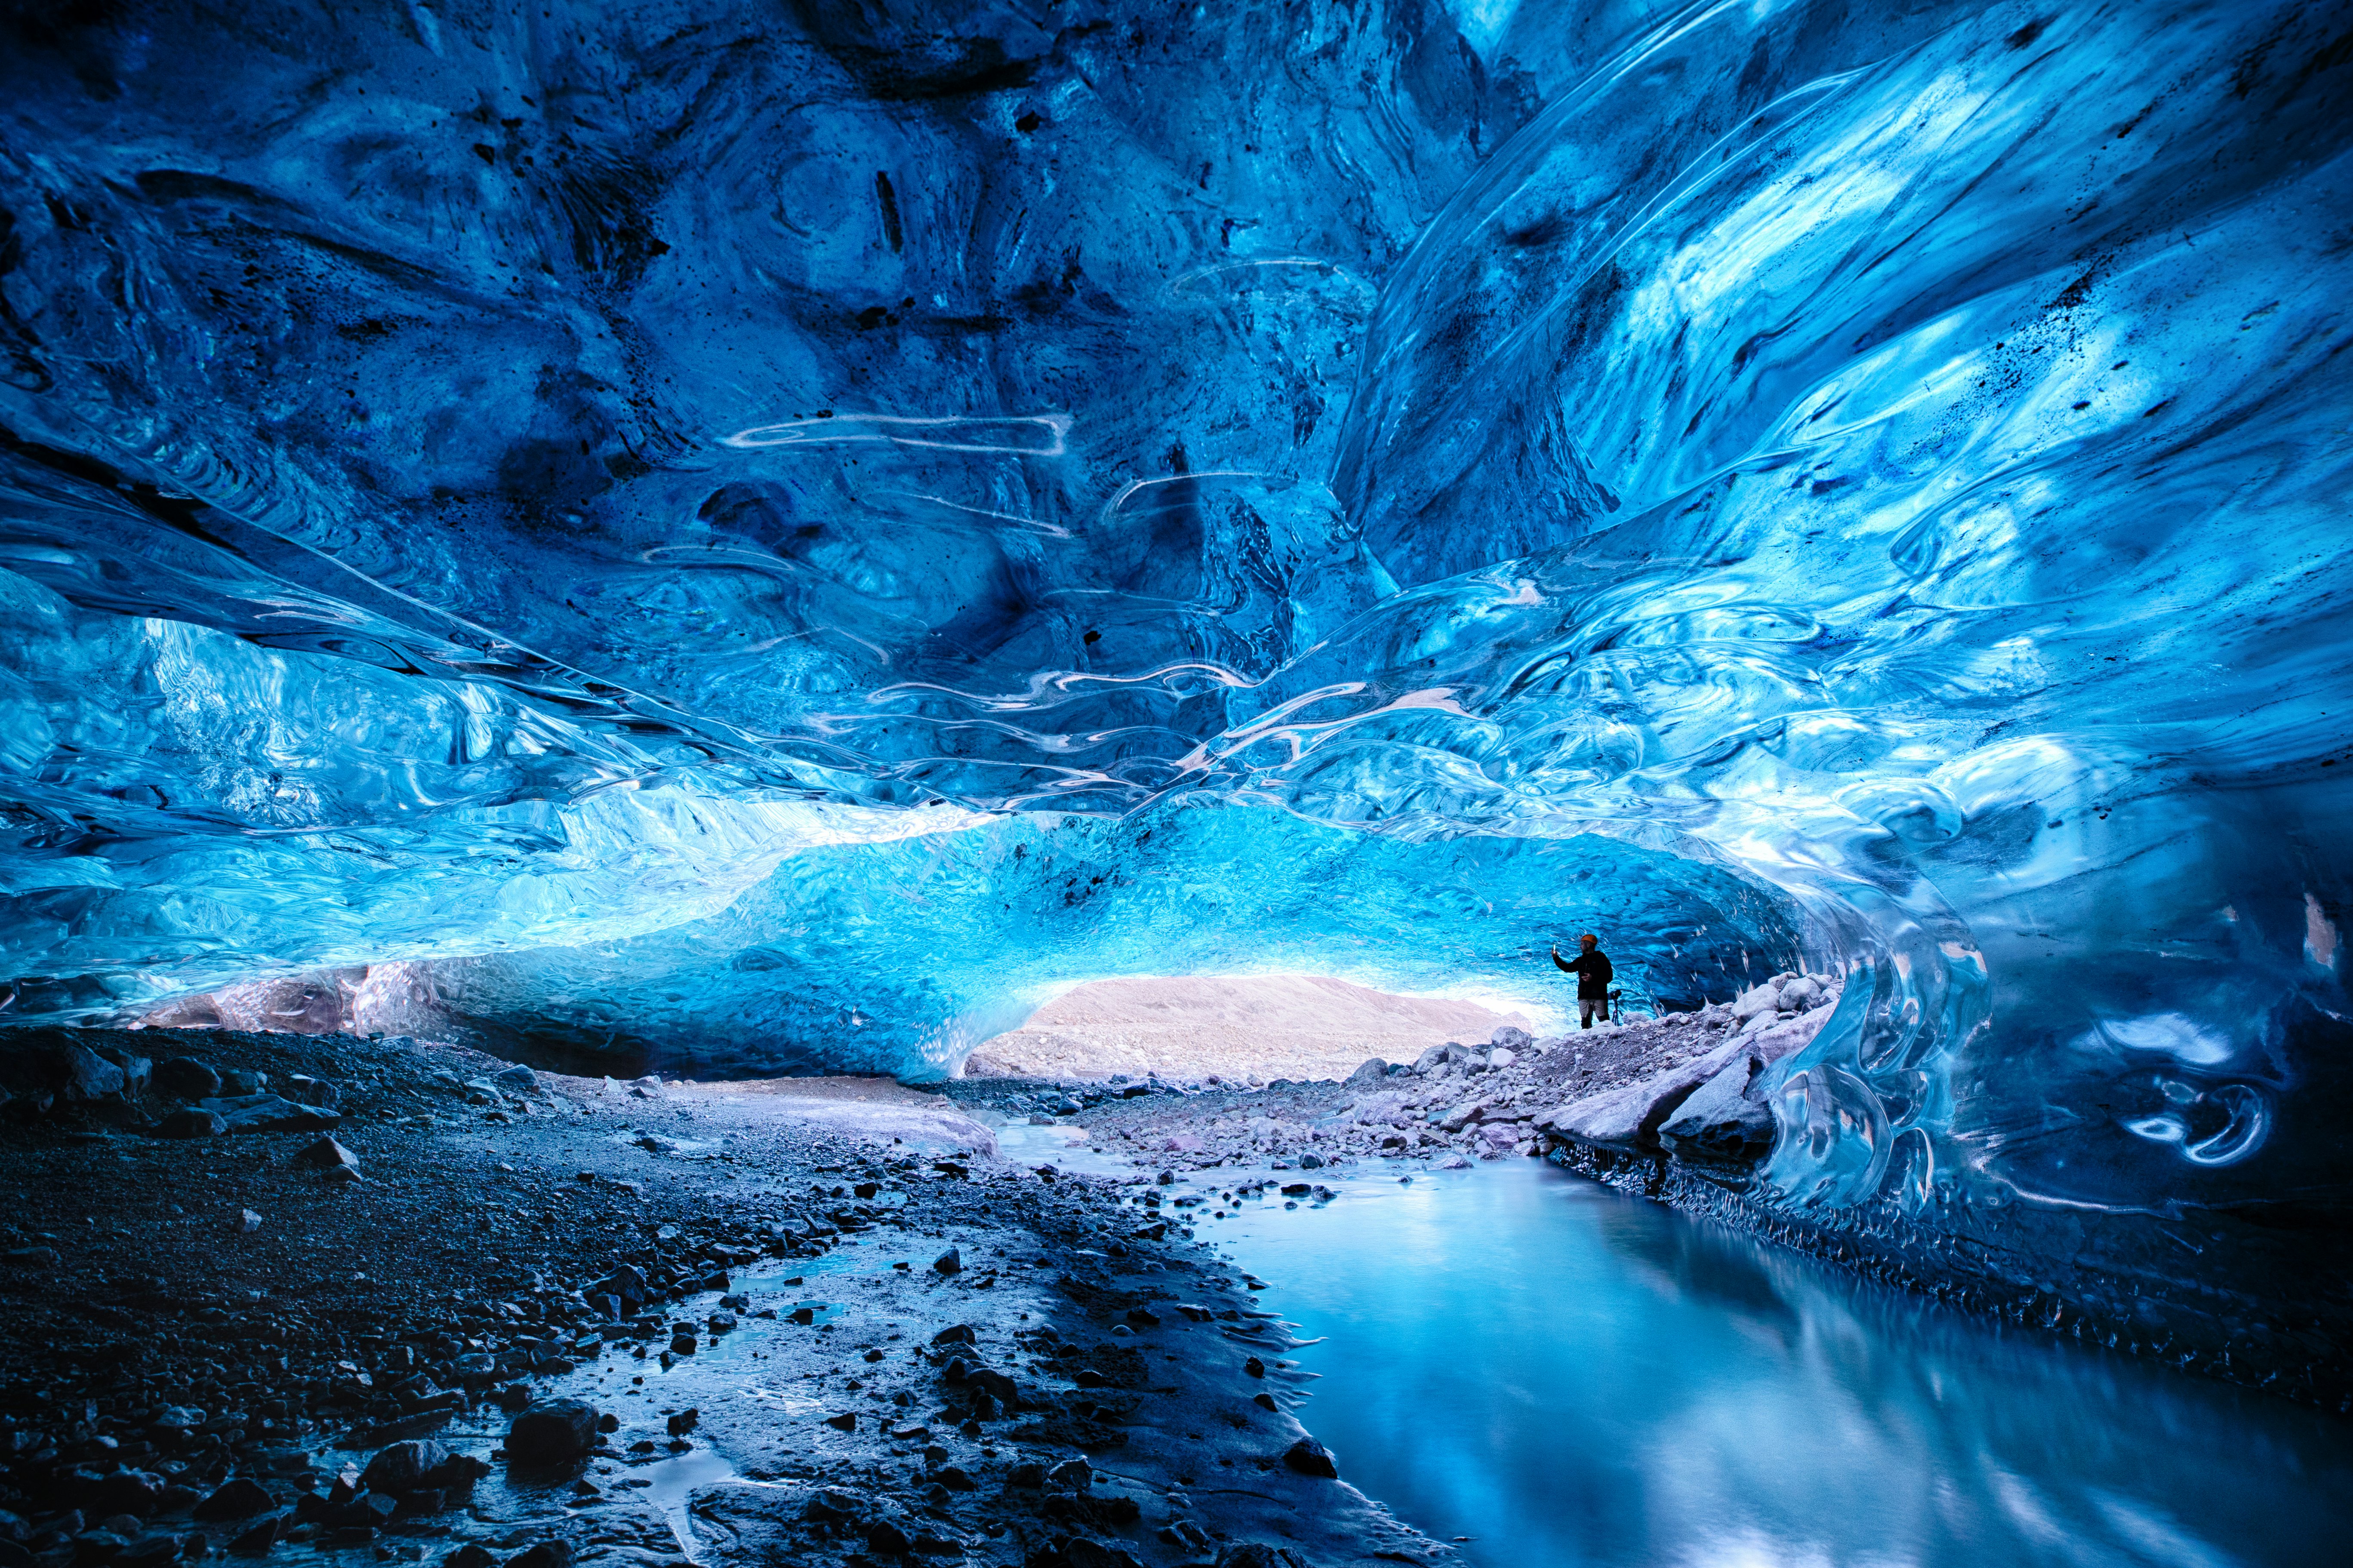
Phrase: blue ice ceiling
[656,521]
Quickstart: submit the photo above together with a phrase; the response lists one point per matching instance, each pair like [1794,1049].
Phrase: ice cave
[605,603]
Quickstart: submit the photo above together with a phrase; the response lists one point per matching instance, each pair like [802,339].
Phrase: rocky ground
[321,1298]
[1685,1084]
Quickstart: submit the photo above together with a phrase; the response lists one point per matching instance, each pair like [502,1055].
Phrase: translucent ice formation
[688,529]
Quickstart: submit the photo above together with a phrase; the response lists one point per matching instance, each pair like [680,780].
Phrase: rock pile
[1689,1084]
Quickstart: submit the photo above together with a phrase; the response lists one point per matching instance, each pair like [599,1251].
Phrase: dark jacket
[1592,971]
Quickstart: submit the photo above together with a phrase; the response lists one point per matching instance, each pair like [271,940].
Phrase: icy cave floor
[1243,1029]
[218,1338]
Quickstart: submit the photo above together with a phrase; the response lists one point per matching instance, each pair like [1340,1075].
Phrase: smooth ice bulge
[658,521]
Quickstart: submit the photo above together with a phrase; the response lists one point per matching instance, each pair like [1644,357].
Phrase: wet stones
[1310,1458]
[552,1432]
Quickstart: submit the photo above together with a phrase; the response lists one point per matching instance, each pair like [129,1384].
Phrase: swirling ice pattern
[610,505]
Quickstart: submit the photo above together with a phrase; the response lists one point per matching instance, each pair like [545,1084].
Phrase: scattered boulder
[1310,1458]
[327,1155]
[312,1091]
[1723,1123]
[246,1223]
[1462,1115]
[402,1466]
[948,1262]
[1629,1117]
[1373,1071]
[1258,1554]
[552,1432]
[186,1078]
[241,1497]
[191,1121]
[543,1555]
[69,1070]
[269,1113]
[1765,998]
[1512,1037]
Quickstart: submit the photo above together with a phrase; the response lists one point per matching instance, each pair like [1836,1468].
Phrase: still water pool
[1568,1376]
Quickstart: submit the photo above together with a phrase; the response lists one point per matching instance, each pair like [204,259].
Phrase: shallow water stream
[1569,1376]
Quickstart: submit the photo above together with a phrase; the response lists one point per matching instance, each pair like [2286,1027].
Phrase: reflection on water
[1571,1377]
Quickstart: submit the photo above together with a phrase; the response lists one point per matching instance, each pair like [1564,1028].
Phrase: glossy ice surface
[1571,1378]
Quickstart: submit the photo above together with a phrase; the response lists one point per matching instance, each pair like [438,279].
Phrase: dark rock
[928,1545]
[954,1334]
[1259,1554]
[240,1498]
[553,1432]
[1075,1474]
[471,1555]
[149,1551]
[1255,1367]
[313,1091]
[1265,1402]
[268,1113]
[402,1466]
[1310,1458]
[326,1154]
[1030,1477]
[1081,1552]
[132,1492]
[543,1555]
[1373,1071]
[684,1422]
[885,1539]
[1310,1162]
[259,1539]
[515,1080]
[949,1262]
[845,1421]
[244,1081]
[186,1078]
[682,1343]
[836,1505]
[954,1478]
[44,1067]
[1723,1122]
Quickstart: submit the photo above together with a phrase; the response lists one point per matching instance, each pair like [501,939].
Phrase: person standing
[1592,967]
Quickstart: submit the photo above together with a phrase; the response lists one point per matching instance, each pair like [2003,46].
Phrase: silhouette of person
[1593,973]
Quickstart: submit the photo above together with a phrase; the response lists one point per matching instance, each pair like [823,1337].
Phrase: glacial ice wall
[647,522]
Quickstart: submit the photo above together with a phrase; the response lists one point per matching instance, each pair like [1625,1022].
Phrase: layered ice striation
[779,537]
